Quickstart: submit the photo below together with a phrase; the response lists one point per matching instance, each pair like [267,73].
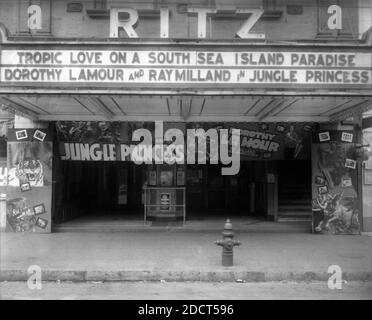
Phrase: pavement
[198,223]
[173,254]
[185,291]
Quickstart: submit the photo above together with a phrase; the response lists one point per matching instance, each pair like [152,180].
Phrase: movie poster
[29,180]
[267,141]
[334,184]
[274,140]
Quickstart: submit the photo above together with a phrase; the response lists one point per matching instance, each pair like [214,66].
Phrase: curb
[222,275]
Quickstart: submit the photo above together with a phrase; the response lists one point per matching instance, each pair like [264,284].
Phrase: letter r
[127,25]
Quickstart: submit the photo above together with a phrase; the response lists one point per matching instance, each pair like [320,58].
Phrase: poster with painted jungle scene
[29,180]
[334,183]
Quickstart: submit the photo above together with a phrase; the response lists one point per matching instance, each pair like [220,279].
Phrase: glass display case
[165,193]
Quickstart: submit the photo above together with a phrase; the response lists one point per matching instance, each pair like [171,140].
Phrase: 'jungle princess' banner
[110,141]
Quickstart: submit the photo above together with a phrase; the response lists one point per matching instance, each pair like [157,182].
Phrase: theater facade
[179,112]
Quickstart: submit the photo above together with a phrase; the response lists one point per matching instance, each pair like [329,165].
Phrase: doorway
[99,189]
[209,193]
[294,189]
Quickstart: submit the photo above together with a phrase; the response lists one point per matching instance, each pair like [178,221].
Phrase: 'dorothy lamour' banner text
[186,67]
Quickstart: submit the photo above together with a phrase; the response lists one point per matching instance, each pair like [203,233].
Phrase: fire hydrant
[227,244]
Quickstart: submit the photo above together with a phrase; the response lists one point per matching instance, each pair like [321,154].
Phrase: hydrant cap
[228,225]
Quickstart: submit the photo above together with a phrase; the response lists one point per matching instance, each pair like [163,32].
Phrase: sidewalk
[175,255]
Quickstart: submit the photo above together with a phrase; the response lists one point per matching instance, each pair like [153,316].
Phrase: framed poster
[21,134]
[347,137]
[180,178]
[324,136]
[166,178]
[165,201]
[152,178]
[350,163]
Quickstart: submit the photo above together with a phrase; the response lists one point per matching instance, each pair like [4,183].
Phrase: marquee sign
[174,67]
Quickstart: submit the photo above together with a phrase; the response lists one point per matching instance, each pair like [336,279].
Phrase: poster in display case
[166,178]
[165,201]
[180,177]
[152,178]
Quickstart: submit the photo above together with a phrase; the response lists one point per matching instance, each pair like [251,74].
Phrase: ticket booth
[165,193]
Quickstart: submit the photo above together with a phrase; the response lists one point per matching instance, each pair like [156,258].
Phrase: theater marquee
[174,67]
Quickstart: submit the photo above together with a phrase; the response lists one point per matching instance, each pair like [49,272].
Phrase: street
[185,290]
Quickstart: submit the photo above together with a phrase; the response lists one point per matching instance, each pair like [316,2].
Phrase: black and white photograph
[39,135]
[25,186]
[42,223]
[39,209]
[347,137]
[322,189]
[185,157]
[350,163]
[21,134]
[324,136]
[320,180]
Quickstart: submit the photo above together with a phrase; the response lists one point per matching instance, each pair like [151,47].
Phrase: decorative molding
[105,13]
[19,109]
[4,34]
[153,13]
[356,109]
[367,36]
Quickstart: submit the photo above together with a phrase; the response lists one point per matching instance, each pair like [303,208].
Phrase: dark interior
[92,188]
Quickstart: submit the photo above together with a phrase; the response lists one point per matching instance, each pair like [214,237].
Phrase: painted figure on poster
[27,170]
[89,131]
[23,218]
[337,216]
[293,143]
[29,162]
